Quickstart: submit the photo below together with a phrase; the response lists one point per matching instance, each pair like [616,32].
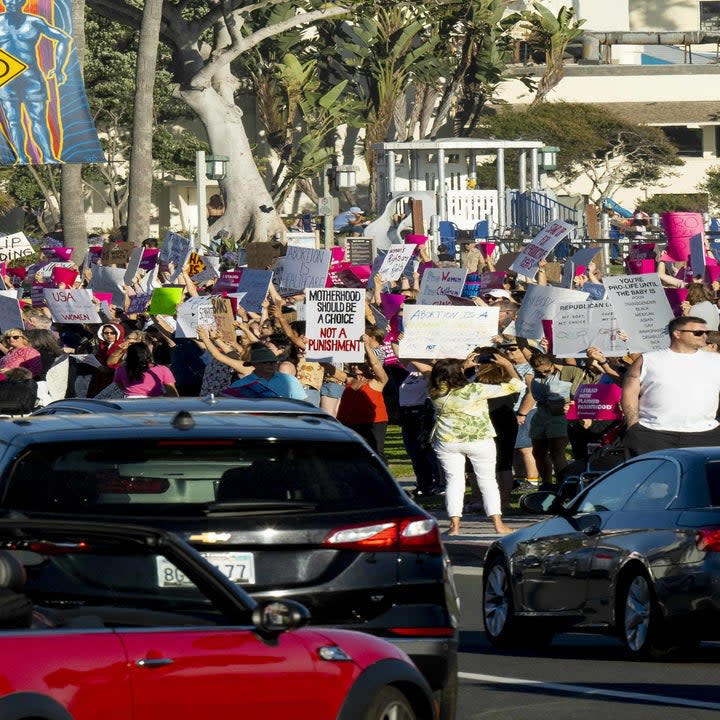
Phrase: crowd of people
[499,416]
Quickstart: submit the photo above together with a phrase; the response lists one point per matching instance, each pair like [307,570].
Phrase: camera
[479,359]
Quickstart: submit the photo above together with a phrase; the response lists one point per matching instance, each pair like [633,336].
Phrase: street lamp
[548,158]
[207,167]
[216,166]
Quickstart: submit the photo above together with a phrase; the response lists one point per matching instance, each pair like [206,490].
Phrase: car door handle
[154,662]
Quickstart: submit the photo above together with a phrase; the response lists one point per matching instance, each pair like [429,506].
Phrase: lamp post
[207,167]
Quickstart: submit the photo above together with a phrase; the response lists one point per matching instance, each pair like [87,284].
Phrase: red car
[88,630]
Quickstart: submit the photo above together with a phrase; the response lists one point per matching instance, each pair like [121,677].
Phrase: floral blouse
[462,415]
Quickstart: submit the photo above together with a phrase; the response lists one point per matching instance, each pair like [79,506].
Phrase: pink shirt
[27,357]
[152,384]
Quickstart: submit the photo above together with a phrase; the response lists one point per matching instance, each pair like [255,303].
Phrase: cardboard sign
[305,268]
[255,284]
[15,246]
[224,317]
[431,331]
[165,300]
[10,313]
[395,261]
[195,264]
[116,253]
[578,326]
[260,255]
[540,303]
[71,306]
[360,250]
[528,261]
[438,283]
[642,310]
[334,324]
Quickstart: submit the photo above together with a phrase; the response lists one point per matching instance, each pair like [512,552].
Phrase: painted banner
[44,114]
[431,331]
[334,324]
[540,303]
[71,306]
[578,326]
[528,261]
[438,283]
[642,310]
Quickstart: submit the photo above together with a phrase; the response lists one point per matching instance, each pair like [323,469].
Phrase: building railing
[532,211]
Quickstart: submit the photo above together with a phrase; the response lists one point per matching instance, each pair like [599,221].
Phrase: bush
[675,202]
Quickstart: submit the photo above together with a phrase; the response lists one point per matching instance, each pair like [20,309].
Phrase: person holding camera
[463,430]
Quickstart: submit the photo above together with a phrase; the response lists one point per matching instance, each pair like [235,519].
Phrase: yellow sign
[195,264]
[10,67]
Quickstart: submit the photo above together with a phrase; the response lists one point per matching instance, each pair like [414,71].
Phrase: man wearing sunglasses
[670,396]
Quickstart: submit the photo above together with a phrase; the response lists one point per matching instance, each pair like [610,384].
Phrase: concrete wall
[669,15]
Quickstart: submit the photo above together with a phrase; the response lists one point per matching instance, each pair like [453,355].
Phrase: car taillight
[708,540]
[419,534]
[133,485]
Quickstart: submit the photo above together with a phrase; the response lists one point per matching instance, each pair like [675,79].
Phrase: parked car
[288,502]
[88,628]
[637,554]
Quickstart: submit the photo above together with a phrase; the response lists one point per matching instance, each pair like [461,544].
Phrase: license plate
[238,567]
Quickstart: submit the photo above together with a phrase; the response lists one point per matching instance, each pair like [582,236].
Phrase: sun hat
[355,209]
[499,293]
[261,355]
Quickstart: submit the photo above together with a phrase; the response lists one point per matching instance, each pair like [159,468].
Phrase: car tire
[501,626]
[447,697]
[639,619]
[390,704]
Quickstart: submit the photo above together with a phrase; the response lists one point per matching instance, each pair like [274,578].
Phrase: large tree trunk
[72,197]
[141,160]
[247,200]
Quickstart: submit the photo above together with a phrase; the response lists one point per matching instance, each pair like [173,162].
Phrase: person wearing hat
[351,221]
[265,380]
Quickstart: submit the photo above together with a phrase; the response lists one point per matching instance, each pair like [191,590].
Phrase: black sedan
[637,554]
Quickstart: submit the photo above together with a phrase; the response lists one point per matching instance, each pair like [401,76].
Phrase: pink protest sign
[415,239]
[492,281]
[679,228]
[337,254]
[362,271]
[227,282]
[486,248]
[64,276]
[391,303]
[62,254]
[336,267]
[675,297]
[149,258]
[597,402]
[103,297]
[639,267]
[547,326]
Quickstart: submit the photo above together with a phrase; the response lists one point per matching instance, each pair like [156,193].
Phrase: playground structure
[443,175]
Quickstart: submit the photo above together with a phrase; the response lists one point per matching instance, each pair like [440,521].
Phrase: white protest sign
[578,326]
[133,265]
[255,284]
[15,246]
[176,250]
[205,276]
[10,314]
[109,280]
[46,271]
[642,310]
[71,306]
[195,312]
[395,261]
[436,331]
[527,262]
[334,324]
[540,303]
[305,268]
[438,283]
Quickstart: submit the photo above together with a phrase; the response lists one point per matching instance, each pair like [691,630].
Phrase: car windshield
[197,476]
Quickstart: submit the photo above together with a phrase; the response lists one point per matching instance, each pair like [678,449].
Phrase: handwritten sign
[578,326]
[71,306]
[139,303]
[528,261]
[395,261]
[255,284]
[176,250]
[116,253]
[335,323]
[15,246]
[540,303]
[431,331]
[305,268]
[197,311]
[438,283]
[261,255]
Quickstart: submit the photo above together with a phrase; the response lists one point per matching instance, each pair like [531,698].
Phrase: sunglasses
[13,337]
[696,333]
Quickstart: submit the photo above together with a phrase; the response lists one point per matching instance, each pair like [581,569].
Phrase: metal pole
[328,235]
[534,177]
[202,229]
[500,160]
[522,171]
[441,199]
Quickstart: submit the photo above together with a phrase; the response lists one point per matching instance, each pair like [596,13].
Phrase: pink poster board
[596,402]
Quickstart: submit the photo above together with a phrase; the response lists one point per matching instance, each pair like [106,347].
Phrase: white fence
[466,207]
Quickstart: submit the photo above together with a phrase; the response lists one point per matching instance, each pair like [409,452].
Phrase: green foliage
[711,186]
[674,202]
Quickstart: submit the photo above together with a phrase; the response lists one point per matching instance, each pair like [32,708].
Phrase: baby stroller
[602,456]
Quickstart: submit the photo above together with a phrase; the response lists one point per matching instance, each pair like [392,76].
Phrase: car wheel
[640,623]
[447,697]
[390,704]
[498,608]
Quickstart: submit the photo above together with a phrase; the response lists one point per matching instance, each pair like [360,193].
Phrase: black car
[637,554]
[285,500]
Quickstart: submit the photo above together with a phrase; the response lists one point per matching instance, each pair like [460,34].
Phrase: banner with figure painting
[44,114]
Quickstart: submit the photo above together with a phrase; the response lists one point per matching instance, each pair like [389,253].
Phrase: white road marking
[585,690]
[467,570]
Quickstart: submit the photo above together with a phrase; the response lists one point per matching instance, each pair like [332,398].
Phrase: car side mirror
[274,617]
[543,502]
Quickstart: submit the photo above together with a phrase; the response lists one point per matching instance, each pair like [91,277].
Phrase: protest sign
[195,264]
[149,258]
[197,311]
[597,402]
[61,254]
[395,261]
[207,275]
[227,282]
[133,265]
[15,246]
[224,317]
[176,250]
[255,284]
[540,303]
[305,268]
[116,253]
[45,271]
[438,283]
[111,280]
[697,255]
[347,278]
[527,262]
[64,276]
[334,324]
[10,313]
[505,261]
[260,255]
[432,331]
[642,310]
[492,281]
[139,303]
[165,300]
[360,250]
[578,326]
[582,258]
[71,306]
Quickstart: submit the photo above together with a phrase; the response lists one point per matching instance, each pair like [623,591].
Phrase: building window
[709,15]
[687,140]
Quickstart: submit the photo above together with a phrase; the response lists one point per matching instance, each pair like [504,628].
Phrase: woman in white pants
[463,430]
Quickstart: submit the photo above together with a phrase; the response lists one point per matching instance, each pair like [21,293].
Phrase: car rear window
[138,477]
[712,470]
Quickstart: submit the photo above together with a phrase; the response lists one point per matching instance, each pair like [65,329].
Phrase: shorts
[546,426]
[523,436]
[332,389]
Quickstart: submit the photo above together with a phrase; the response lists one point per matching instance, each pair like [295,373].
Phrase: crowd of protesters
[500,414]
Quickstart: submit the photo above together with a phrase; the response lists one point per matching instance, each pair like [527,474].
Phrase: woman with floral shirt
[463,430]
